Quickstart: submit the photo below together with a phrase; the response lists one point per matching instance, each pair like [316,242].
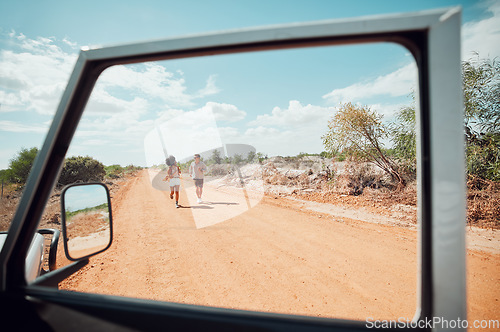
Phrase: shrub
[132,168]
[483,202]
[81,169]
[216,157]
[481,83]
[359,132]
[4,175]
[483,157]
[356,177]
[20,166]
[219,170]
[113,171]
[251,156]
[237,159]
[404,138]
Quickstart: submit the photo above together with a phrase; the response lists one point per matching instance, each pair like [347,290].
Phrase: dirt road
[244,251]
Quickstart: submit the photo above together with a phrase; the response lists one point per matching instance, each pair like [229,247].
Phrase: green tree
[20,166]
[237,159]
[251,156]
[481,84]
[358,131]
[404,139]
[261,157]
[114,171]
[4,175]
[483,157]
[481,91]
[81,169]
[216,157]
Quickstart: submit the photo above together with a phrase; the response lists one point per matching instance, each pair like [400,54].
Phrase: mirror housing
[86,220]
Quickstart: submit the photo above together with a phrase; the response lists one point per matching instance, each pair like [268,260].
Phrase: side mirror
[86,220]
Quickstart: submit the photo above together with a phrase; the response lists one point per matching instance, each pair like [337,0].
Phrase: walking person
[197,170]
[174,176]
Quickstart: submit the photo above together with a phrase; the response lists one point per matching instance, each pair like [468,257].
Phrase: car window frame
[432,37]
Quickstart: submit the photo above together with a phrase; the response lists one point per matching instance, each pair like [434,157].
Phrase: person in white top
[197,170]
[174,175]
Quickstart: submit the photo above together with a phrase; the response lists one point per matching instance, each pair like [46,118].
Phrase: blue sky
[278,102]
[84,197]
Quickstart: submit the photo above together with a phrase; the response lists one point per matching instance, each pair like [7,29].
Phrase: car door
[431,37]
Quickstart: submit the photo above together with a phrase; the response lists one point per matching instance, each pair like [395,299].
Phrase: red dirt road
[276,256]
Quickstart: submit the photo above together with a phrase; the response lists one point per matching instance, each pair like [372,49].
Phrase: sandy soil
[268,253]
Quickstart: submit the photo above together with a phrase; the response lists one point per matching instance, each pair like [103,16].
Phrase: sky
[84,197]
[279,102]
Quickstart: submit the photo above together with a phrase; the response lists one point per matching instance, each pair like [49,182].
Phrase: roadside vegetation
[95,209]
[356,133]
[76,169]
[355,162]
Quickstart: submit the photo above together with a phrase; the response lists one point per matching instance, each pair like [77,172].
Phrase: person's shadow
[220,203]
[196,207]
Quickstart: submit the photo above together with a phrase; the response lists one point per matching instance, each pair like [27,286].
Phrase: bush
[359,132]
[481,82]
[20,166]
[216,157]
[404,138]
[483,202]
[356,177]
[251,156]
[116,171]
[81,169]
[237,159]
[483,157]
[219,170]
[132,168]
[4,175]
[113,171]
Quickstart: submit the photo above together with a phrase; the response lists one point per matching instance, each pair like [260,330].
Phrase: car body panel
[34,260]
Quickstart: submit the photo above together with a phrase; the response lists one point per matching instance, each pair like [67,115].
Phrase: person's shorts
[198,183]
[174,182]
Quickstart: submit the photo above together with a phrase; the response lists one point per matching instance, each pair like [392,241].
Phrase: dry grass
[8,205]
[483,203]
[51,217]
[88,223]
[362,186]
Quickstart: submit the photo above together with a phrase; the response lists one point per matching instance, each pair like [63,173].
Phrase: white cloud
[105,105]
[182,136]
[9,102]
[35,74]
[34,77]
[15,127]
[209,89]
[395,84]
[70,43]
[295,115]
[293,130]
[229,134]
[262,131]
[297,128]
[387,110]
[154,81]
[483,37]
[168,114]
[284,142]
[225,112]
[150,80]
